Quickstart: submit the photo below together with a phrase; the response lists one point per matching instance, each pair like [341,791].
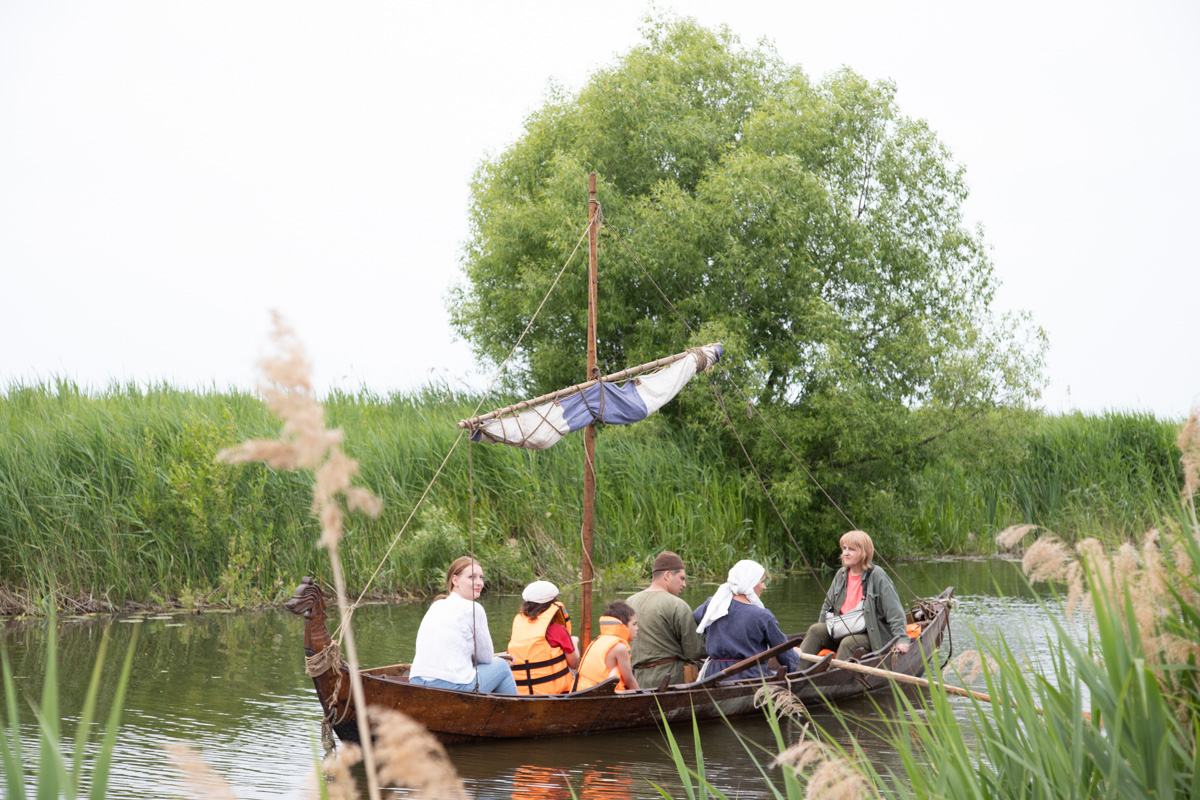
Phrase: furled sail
[542,424]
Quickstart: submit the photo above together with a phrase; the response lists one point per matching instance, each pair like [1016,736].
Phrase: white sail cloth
[543,425]
[744,576]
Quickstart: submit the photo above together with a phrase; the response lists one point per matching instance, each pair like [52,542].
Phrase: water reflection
[602,780]
[233,687]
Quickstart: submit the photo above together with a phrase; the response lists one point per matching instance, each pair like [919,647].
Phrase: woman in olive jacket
[857,583]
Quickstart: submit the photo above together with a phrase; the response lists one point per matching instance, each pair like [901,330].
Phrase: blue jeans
[494,676]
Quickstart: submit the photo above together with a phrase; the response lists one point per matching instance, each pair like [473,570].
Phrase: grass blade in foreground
[53,777]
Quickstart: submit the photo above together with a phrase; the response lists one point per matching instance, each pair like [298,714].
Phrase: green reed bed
[1107,476]
[115,496]
[1115,714]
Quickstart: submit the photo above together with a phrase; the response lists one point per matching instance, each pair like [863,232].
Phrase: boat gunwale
[606,689]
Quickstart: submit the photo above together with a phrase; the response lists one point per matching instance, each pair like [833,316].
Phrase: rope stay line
[339,633]
[754,407]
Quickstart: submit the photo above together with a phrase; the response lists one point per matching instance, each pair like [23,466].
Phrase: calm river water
[232,685]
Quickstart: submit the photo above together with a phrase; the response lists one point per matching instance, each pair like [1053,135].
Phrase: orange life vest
[592,669]
[537,667]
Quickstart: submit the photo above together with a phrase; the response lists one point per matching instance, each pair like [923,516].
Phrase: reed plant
[1107,476]
[1114,714]
[59,770]
[113,497]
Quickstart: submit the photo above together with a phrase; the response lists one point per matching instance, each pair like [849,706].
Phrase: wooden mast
[589,433]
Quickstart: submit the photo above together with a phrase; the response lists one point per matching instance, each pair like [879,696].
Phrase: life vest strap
[549,662]
[543,679]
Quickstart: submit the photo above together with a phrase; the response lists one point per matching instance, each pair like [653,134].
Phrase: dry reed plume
[304,442]
[1013,535]
[782,701]
[1141,575]
[1159,577]
[199,776]
[337,766]
[831,777]
[1189,445]
[409,757]
[971,664]
[407,754]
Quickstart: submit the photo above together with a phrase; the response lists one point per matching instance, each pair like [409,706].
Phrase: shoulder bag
[853,621]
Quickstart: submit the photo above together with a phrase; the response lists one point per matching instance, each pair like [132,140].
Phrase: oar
[900,677]
[747,663]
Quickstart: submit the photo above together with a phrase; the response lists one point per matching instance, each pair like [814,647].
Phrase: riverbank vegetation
[113,497]
[1111,710]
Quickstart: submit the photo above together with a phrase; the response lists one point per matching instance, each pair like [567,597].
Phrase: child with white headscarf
[737,625]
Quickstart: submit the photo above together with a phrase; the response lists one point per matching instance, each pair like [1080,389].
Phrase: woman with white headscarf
[736,625]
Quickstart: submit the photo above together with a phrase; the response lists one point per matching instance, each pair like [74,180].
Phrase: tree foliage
[810,226]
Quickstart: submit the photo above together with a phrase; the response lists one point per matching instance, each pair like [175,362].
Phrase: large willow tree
[808,225]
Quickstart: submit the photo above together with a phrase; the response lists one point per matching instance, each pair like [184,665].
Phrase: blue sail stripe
[605,402]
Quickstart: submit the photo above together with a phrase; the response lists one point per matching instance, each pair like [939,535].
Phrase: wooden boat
[458,716]
[455,716]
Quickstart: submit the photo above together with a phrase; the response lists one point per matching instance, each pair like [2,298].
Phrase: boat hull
[456,716]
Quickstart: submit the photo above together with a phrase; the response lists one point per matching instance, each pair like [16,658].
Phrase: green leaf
[52,771]
[100,770]
[10,748]
[84,729]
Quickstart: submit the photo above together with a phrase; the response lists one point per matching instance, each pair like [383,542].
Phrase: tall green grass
[1116,714]
[114,496]
[1107,476]
[59,770]
[117,497]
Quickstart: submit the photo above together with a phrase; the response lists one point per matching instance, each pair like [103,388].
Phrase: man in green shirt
[667,638]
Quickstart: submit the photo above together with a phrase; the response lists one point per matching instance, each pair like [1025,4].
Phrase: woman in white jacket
[454,646]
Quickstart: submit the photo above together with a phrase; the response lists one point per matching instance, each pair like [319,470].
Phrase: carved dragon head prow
[309,600]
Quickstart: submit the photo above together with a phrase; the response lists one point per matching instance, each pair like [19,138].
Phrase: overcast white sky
[170,172]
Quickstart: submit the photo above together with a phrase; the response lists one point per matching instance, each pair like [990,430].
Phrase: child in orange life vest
[608,655]
[542,648]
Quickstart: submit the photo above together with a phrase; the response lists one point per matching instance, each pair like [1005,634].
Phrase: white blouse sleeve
[483,637]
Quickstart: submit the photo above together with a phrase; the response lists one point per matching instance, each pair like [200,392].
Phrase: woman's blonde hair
[456,566]
[862,541]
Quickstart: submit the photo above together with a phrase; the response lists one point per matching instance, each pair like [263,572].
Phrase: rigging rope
[495,379]
[471,532]
[695,334]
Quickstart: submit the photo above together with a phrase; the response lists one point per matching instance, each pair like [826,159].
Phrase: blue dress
[745,631]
